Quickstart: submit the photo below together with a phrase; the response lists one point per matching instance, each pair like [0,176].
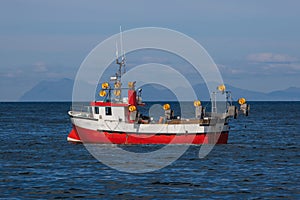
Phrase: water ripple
[260,161]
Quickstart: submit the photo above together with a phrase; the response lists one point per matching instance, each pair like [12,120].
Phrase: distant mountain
[292,94]
[247,94]
[61,90]
[152,93]
[58,90]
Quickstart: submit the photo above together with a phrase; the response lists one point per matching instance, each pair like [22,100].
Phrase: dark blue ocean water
[261,159]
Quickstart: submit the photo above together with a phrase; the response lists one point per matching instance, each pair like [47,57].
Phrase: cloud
[271,58]
[231,70]
[153,59]
[40,67]
[13,74]
[271,63]
[289,68]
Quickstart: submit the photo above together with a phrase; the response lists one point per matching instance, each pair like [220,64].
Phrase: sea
[260,161]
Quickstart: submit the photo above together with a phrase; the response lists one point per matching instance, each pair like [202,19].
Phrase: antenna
[123,59]
[117,53]
[124,62]
[121,40]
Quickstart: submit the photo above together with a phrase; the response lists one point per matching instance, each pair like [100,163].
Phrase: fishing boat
[117,118]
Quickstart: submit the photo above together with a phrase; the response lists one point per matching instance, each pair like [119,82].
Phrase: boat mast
[120,72]
[121,63]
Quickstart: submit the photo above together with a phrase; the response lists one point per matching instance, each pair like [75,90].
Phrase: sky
[255,43]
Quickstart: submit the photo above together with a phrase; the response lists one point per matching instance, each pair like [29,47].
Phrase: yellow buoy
[166,106]
[117,85]
[102,93]
[117,92]
[131,84]
[132,108]
[221,88]
[242,101]
[105,85]
[197,103]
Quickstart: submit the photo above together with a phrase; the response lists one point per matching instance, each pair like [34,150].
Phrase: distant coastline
[61,91]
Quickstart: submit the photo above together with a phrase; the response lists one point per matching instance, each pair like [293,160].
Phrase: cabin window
[108,110]
[96,110]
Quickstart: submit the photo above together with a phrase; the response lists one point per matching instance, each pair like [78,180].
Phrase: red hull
[91,136]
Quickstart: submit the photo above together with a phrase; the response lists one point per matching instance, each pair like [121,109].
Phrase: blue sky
[255,43]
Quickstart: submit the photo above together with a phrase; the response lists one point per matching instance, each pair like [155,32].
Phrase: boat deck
[188,121]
